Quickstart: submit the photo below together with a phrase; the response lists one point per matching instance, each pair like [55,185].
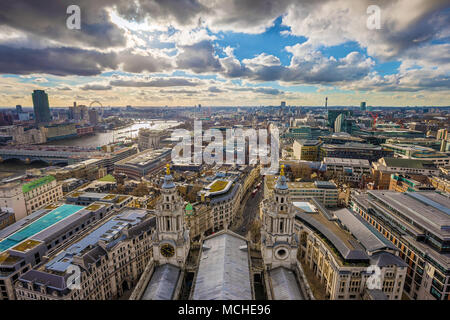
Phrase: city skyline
[226,54]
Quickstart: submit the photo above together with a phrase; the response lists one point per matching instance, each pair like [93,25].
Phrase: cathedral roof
[284,285]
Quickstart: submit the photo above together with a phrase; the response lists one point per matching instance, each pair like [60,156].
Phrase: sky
[226,52]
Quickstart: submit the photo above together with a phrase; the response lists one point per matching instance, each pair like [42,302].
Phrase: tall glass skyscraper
[41,107]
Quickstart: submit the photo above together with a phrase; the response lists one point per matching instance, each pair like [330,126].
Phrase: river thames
[8,168]
[103,138]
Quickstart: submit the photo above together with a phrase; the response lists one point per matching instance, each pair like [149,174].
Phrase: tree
[141,190]
[119,189]
[301,170]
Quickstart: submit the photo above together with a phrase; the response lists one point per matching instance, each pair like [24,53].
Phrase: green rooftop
[218,185]
[37,183]
[407,163]
[108,178]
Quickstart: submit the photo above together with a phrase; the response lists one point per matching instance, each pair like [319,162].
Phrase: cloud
[404,24]
[96,87]
[137,63]
[47,19]
[215,89]
[57,61]
[263,90]
[199,57]
[159,82]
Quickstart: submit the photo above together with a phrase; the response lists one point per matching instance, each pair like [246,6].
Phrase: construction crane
[374,117]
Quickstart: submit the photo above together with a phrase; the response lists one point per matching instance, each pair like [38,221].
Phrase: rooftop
[347,246]
[409,163]
[145,158]
[107,232]
[162,284]
[366,235]
[427,209]
[284,285]
[26,245]
[39,225]
[224,271]
[37,183]
[346,162]
[108,178]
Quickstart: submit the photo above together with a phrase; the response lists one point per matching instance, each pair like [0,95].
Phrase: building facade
[107,261]
[41,107]
[417,223]
[345,256]
[41,192]
[306,149]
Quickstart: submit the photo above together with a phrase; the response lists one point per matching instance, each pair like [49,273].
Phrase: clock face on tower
[167,250]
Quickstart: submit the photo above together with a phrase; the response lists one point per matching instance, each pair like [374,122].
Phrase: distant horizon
[237,106]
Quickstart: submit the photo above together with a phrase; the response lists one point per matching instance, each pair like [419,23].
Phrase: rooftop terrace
[39,225]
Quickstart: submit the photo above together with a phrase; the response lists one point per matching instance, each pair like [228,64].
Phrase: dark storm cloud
[47,19]
[199,57]
[136,63]
[56,61]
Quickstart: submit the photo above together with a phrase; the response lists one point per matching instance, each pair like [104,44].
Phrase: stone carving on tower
[171,241]
[279,241]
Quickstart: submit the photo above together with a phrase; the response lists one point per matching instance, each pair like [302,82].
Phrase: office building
[41,107]
[418,224]
[148,139]
[333,114]
[409,151]
[143,163]
[25,243]
[306,149]
[110,258]
[338,247]
[41,192]
[351,170]
[324,191]
[402,183]
[353,150]
[223,197]
[12,197]
[384,167]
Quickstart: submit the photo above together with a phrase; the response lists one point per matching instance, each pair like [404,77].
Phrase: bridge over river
[52,155]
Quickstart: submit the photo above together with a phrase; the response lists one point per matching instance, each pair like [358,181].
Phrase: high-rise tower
[41,107]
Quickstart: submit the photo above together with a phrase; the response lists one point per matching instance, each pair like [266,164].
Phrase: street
[250,210]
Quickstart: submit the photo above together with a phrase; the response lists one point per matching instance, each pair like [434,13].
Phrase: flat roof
[39,225]
[428,209]
[163,283]
[365,235]
[144,158]
[106,232]
[347,162]
[36,183]
[343,241]
[409,163]
[224,271]
[284,285]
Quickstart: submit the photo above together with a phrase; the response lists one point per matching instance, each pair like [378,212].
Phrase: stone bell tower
[171,241]
[278,239]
